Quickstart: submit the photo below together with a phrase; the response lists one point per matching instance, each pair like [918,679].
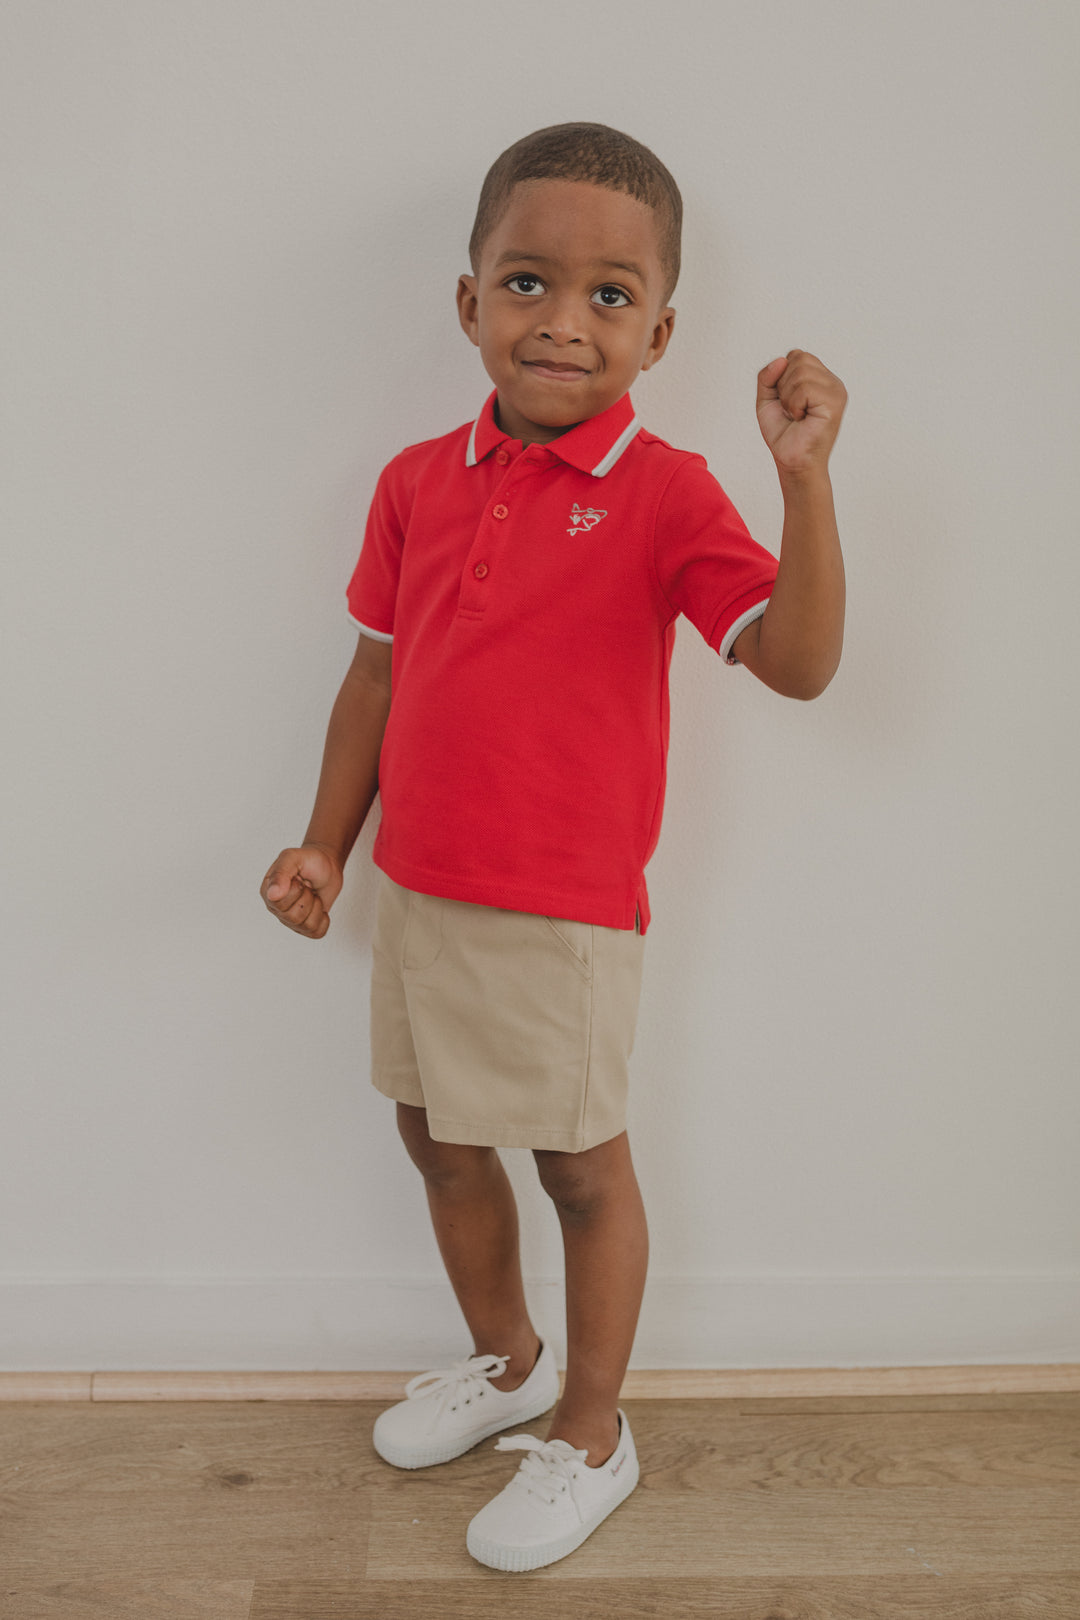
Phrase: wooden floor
[857,1508]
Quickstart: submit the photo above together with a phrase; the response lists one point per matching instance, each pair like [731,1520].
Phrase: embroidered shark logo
[584,518]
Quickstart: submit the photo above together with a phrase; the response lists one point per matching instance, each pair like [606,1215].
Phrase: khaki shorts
[512,1029]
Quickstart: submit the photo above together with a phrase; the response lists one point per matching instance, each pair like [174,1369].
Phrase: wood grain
[916,1507]
[529,1597]
[128,1600]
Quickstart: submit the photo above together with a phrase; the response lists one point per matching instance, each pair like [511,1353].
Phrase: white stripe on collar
[604,465]
[470,453]
[621,443]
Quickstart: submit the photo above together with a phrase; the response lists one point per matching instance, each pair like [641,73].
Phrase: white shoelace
[458,1383]
[550,1468]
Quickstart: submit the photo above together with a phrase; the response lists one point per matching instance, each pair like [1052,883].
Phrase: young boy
[527,569]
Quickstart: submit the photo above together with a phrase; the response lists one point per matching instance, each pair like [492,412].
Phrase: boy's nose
[562,324]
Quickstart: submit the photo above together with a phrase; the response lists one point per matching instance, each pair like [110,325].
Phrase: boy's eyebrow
[514,256]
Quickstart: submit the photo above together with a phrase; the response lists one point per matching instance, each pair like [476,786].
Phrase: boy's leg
[476,1226]
[606,1241]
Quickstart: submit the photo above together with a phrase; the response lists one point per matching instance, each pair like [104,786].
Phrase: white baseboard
[357,1323]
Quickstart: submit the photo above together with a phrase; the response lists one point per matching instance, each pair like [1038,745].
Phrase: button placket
[478,576]
[474,590]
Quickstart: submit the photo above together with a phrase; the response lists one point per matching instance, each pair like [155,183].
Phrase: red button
[500,511]
[502,458]
[480,570]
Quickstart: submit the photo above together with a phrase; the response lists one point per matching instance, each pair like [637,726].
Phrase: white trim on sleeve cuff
[738,627]
[379,635]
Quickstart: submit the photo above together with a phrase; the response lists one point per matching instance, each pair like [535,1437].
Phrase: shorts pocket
[423,941]
[576,939]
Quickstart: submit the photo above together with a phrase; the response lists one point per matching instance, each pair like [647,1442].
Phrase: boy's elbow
[811,687]
[814,673]
[801,672]
[804,683]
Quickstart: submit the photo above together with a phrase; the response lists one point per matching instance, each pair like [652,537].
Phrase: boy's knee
[575,1185]
[580,1183]
[442,1164]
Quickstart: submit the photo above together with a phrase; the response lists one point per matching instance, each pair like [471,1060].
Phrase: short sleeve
[708,565]
[372,590]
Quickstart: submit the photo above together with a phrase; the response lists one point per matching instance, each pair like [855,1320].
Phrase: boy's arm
[795,646]
[303,883]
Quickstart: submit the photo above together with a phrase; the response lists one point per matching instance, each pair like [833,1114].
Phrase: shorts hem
[476,1133]
[404,1089]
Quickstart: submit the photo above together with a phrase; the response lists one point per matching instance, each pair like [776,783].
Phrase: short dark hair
[595,153]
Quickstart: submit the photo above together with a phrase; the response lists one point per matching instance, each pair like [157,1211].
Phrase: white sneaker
[553,1502]
[449,1411]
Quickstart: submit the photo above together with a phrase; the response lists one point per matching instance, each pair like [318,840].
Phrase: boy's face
[567,307]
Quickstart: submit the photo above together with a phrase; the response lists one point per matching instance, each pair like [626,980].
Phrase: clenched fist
[301,886]
[799,406]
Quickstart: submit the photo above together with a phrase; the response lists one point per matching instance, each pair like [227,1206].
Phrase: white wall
[233,231]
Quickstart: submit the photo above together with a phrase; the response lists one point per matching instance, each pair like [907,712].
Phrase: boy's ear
[665,325]
[468,310]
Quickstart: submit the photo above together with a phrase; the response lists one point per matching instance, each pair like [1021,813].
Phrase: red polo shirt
[531,596]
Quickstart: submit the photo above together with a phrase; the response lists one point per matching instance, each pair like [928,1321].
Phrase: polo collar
[593,446]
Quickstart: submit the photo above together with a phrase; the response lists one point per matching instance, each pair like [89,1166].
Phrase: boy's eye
[530,285]
[610,297]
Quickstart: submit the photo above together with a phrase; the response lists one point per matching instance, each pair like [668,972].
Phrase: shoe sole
[427,1456]
[503,1556]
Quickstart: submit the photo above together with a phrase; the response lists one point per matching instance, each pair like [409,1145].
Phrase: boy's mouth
[558,371]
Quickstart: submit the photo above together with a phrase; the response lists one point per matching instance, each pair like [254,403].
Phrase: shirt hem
[514,897]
